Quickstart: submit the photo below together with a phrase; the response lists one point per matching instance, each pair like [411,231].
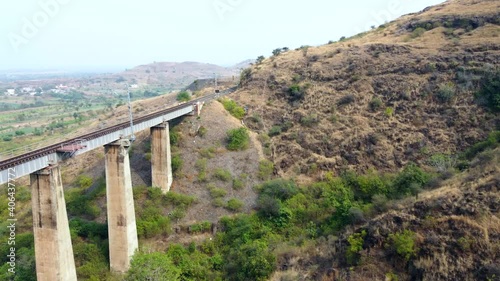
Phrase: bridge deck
[30,162]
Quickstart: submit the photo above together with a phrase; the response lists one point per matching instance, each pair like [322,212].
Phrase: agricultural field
[31,121]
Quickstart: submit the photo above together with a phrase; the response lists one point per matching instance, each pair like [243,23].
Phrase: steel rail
[11,162]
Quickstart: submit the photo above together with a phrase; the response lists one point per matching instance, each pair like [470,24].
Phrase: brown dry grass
[397,69]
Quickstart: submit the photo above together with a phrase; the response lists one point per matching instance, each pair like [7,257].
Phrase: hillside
[376,157]
[381,99]
[455,231]
[178,75]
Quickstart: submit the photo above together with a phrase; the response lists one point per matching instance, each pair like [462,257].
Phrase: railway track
[11,162]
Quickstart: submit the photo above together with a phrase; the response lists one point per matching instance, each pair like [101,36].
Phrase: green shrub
[274,131]
[391,276]
[202,131]
[356,241]
[238,139]
[279,188]
[442,162]
[84,181]
[489,94]
[178,199]
[152,266]
[491,142]
[178,213]
[389,111]
[222,174]
[38,132]
[365,186]
[375,104]
[233,108]
[219,203]
[200,227]
[217,192]
[407,180]
[175,137]
[445,93]
[235,205]
[268,206]
[418,32]
[266,169]
[465,243]
[296,92]
[251,261]
[183,96]
[238,184]
[88,229]
[403,243]
[202,176]
[79,204]
[310,120]
[7,138]
[153,226]
[208,152]
[176,163]
[345,100]
[201,164]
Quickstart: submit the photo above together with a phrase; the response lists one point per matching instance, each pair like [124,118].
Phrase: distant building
[27,90]
[10,92]
[134,86]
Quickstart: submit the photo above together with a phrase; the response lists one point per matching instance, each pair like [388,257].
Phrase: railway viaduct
[53,248]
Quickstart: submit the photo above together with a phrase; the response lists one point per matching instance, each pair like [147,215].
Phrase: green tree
[154,266]
[251,261]
[276,52]
[410,178]
[183,96]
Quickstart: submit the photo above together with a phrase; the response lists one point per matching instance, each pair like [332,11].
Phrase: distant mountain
[178,75]
[244,64]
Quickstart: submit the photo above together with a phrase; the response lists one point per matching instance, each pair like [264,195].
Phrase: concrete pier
[161,161]
[53,248]
[121,212]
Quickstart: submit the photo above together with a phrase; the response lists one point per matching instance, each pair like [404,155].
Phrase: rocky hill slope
[455,231]
[178,75]
[381,99]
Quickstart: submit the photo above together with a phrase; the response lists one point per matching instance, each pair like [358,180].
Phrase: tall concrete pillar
[53,249]
[161,161]
[120,204]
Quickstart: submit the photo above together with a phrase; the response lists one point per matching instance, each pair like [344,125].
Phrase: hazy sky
[97,34]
